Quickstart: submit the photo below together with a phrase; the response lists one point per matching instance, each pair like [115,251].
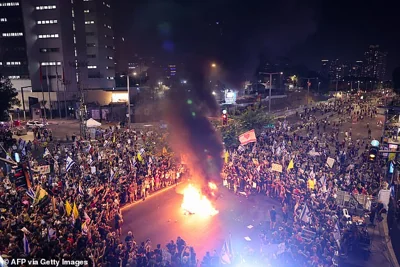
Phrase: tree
[396,80]
[230,136]
[254,118]
[8,97]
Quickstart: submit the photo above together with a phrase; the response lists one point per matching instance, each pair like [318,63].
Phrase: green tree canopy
[8,97]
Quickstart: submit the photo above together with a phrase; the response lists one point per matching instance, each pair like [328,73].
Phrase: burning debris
[194,202]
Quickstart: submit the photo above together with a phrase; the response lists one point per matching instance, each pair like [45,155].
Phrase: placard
[330,161]
[45,169]
[277,167]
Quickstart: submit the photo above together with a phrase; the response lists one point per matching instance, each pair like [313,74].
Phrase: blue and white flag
[112,174]
[70,163]
[31,193]
[46,152]
[133,162]
[51,233]
[227,252]
[304,215]
[80,190]
[27,250]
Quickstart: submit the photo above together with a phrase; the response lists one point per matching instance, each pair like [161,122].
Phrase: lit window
[45,7]
[89,22]
[13,63]
[110,78]
[14,77]
[51,63]
[10,4]
[86,11]
[109,57]
[12,34]
[48,36]
[92,67]
[3,19]
[51,21]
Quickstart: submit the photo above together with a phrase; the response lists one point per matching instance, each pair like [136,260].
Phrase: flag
[46,152]
[248,137]
[114,138]
[164,151]
[133,162]
[112,175]
[150,160]
[85,228]
[336,233]
[31,193]
[304,215]
[254,150]
[68,208]
[40,194]
[226,157]
[227,252]
[27,250]
[291,165]
[241,148]
[51,233]
[80,190]
[139,157]
[87,218]
[75,212]
[70,163]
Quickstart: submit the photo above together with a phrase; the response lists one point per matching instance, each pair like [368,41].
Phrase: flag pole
[48,89]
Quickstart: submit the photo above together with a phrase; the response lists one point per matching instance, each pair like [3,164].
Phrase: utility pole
[308,87]
[129,101]
[270,86]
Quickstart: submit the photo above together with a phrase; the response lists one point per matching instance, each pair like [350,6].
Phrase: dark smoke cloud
[191,132]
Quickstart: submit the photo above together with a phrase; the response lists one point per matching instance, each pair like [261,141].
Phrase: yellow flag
[255,161]
[114,138]
[139,157]
[164,151]
[291,165]
[68,208]
[75,211]
[226,157]
[40,194]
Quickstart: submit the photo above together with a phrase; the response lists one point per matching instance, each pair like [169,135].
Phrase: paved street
[161,219]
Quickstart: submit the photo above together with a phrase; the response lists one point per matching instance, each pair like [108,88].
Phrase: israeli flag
[31,193]
[304,215]
[46,152]
[112,174]
[27,250]
[70,163]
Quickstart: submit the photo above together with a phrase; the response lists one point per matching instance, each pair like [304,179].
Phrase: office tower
[13,57]
[375,63]
[325,67]
[335,71]
[357,69]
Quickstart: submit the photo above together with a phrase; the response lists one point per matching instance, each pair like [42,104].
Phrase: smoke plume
[191,133]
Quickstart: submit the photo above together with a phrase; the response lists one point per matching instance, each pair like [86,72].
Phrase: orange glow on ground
[196,203]
[212,186]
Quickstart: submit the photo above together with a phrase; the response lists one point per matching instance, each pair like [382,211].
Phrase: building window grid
[110,78]
[49,50]
[51,21]
[48,36]
[89,22]
[9,4]
[14,77]
[13,63]
[51,63]
[12,34]
[3,19]
[108,57]
[45,7]
[92,67]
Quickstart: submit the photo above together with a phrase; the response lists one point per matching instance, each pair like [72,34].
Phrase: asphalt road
[161,219]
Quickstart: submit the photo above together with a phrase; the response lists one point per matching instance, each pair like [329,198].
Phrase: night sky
[234,33]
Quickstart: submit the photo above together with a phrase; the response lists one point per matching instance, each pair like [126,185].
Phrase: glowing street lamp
[134,74]
[214,93]
[213,65]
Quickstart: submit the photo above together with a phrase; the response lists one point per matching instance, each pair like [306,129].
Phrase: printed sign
[330,162]
[44,169]
[277,167]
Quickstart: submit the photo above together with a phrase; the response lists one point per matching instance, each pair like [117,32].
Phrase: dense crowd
[72,212]
[313,230]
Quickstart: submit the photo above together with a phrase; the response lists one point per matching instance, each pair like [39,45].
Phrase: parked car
[33,124]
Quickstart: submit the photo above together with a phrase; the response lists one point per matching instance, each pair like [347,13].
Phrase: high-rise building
[325,67]
[335,71]
[58,42]
[375,63]
[13,58]
[356,69]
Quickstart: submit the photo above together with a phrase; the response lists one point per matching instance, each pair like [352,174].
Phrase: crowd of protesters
[72,211]
[313,230]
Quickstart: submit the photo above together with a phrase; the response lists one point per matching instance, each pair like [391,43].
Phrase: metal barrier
[353,201]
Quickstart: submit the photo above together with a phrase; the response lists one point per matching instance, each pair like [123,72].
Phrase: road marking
[152,195]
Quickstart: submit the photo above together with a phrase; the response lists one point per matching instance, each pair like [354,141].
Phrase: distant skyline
[235,33]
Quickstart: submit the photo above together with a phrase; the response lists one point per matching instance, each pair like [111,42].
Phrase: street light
[213,65]
[214,93]
[270,86]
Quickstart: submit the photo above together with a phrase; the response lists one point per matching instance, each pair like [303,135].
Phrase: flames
[194,202]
